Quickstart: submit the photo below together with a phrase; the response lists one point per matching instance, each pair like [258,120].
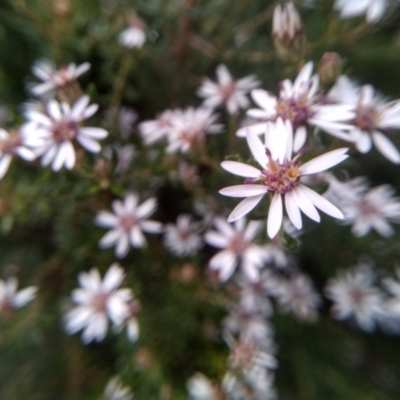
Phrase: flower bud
[329,67]
[287,32]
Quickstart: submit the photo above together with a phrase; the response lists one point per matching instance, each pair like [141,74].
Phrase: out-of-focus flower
[238,247]
[366,208]
[134,36]
[372,116]
[11,299]
[233,94]
[354,295]
[183,239]
[97,302]
[59,128]
[54,79]
[190,127]
[116,391]
[287,32]
[281,176]
[201,388]
[298,296]
[14,144]
[299,103]
[329,67]
[127,223]
[125,155]
[126,119]
[374,9]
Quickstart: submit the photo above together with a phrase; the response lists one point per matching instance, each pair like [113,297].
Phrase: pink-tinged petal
[79,107]
[386,147]
[4,164]
[305,204]
[375,10]
[257,128]
[252,229]
[244,190]
[122,246]
[223,75]
[94,133]
[280,139]
[137,238]
[225,262]
[225,228]
[299,138]
[130,202]
[80,69]
[147,208]
[110,238]
[293,210]
[263,99]
[41,88]
[303,79]
[257,149]
[216,240]
[113,278]
[324,161]
[257,113]
[240,169]
[275,216]
[91,110]
[60,158]
[54,110]
[49,154]
[69,151]
[42,119]
[149,226]
[89,144]
[244,207]
[106,219]
[362,140]
[323,204]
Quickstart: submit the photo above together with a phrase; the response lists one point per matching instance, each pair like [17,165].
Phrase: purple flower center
[65,130]
[366,118]
[297,111]
[127,222]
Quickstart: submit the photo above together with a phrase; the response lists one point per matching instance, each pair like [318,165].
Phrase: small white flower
[354,295]
[298,296]
[233,94]
[366,208]
[190,127]
[372,116]
[13,144]
[11,299]
[127,222]
[201,388]
[238,247]
[134,36]
[183,239]
[53,78]
[299,103]
[98,302]
[115,391]
[374,9]
[153,130]
[281,176]
[59,129]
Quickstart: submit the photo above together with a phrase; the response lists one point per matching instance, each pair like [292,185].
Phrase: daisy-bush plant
[199,200]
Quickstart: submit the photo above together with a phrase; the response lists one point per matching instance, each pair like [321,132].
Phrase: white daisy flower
[183,239]
[354,295]
[233,94]
[190,128]
[374,9]
[372,117]
[134,36]
[14,144]
[53,78]
[98,302]
[127,223]
[299,103]
[298,296]
[11,299]
[281,176]
[116,391]
[238,248]
[153,130]
[59,129]
[366,208]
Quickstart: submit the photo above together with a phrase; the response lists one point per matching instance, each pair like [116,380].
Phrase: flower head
[59,128]
[372,117]
[127,223]
[301,105]
[281,176]
[11,299]
[98,301]
[233,94]
[56,79]
[134,36]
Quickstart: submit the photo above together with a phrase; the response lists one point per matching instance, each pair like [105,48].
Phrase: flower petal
[386,147]
[275,216]
[240,169]
[244,190]
[244,207]
[324,161]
